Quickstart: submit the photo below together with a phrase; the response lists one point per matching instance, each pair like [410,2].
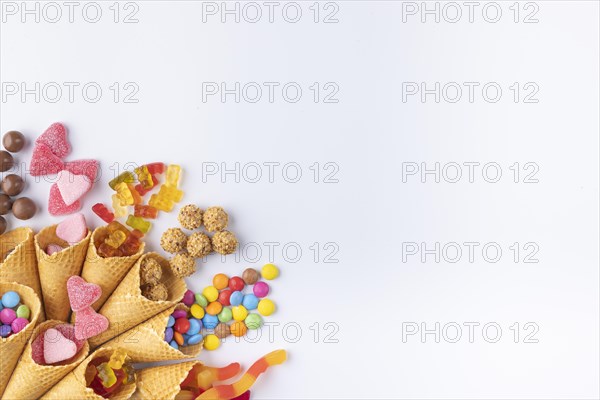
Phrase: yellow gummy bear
[107,375]
[172,175]
[124,194]
[116,239]
[117,359]
[119,210]
[144,177]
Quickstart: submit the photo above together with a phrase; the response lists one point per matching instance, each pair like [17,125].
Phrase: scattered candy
[81,293]
[13,141]
[211,342]
[201,300]
[210,321]
[88,168]
[197,311]
[236,298]
[6,161]
[261,289]
[236,284]
[224,297]
[238,329]
[188,298]
[103,212]
[250,276]
[105,376]
[253,321]
[214,308]
[222,331]
[120,211]
[72,187]
[270,272]
[88,323]
[239,313]
[250,302]
[225,315]
[266,307]
[144,211]
[211,293]
[125,177]
[56,204]
[139,223]
[44,162]
[12,184]
[73,229]
[55,138]
[24,208]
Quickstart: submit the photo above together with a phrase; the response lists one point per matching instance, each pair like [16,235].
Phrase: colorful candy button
[236,298]
[10,299]
[197,311]
[239,313]
[195,339]
[214,308]
[211,342]
[238,329]
[224,297]
[266,307]
[220,281]
[253,321]
[211,293]
[225,315]
[236,284]
[250,301]
[195,326]
[261,289]
[210,321]
[269,271]
[200,299]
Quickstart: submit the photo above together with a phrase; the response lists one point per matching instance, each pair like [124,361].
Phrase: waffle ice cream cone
[56,269]
[31,380]
[106,272]
[18,262]
[146,343]
[162,382]
[11,348]
[127,307]
[74,386]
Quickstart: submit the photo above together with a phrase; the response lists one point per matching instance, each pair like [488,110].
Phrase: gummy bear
[124,194]
[156,168]
[104,250]
[145,211]
[120,211]
[144,177]
[170,193]
[103,212]
[173,172]
[138,223]
[126,177]
[107,375]
[117,359]
[116,239]
[161,203]
[137,199]
[142,190]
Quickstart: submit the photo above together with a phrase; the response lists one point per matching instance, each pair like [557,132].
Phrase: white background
[370,294]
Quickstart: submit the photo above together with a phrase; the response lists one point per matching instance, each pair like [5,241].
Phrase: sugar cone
[11,348]
[31,380]
[73,386]
[106,272]
[56,269]
[18,262]
[162,382]
[146,343]
[126,307]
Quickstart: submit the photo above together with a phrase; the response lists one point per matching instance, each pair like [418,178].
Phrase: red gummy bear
[55,137]
[57,206]
[88,168]
[44,162]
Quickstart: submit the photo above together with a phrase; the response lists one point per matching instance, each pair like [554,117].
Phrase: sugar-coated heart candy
[57,348]
[88,168]
[55,137]
[57,206]
[82,294]
[73,229]
[44,162]
[88,323]
[72,187]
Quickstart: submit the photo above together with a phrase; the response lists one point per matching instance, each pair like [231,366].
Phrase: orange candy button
[238,328]
[214,308]
[178,338]
[220,281]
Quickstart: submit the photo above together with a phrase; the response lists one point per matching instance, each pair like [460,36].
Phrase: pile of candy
[220,304]
[55,345]
[12,184]
[72,230]
[151,274]
[107,375]
[202,378]
[88,323]
[13,315]
[117,241]
[75,178]
[198,244]
[128,194]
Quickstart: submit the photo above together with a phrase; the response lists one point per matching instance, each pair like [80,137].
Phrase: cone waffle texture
[12,347]
[146,343]
[106,272]
[56,269]
[127,308]
[18,262]
[74,387]
[31,380]
[162,382]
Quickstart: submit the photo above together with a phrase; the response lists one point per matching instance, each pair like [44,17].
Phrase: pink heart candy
[57,348]
[53,248]
[55,137]
[82,294]
[88,323]
[56,204]
[73,229]
[72,187]
[44,162]
[88,168]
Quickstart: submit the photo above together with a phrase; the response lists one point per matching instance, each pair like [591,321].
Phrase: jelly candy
[170,193]
[137,199]
[142,190]
[116,226]
[144,177]
[55,137]
[116,239]
[132,243]
[145,211]
[104,250]
[44,162]
[161,203]
[117,359]
[156,168]
[103,212]
[120,211]
[124,194]
[173,172]
[106,375]
[138,223]
[125,177]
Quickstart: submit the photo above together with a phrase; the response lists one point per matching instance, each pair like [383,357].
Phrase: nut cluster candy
[222,309]
[14,315]
[13,184]
[151,284]
[199,244]
[130,189]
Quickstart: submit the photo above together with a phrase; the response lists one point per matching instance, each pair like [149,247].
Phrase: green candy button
[253,321]
[200,299]
[23,311]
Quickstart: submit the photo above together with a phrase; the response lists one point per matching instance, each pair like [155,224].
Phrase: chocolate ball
[24,208]
[13,141]
[5,204]
[6,161]
[2,225]
[250,276]
[12,184]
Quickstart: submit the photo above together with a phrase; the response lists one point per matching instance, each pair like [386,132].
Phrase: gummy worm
[226,392]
